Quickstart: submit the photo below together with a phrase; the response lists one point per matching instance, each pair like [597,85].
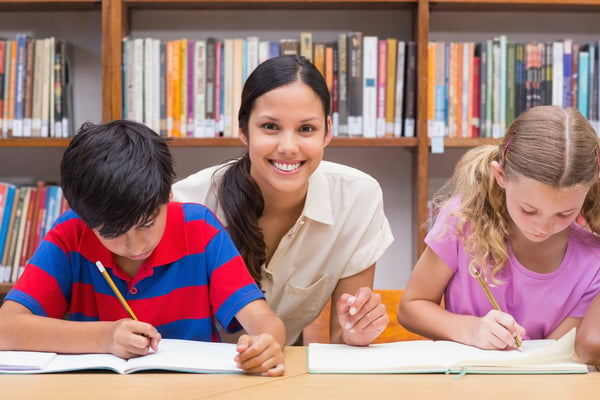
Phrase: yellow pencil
[493,301]
[115,289]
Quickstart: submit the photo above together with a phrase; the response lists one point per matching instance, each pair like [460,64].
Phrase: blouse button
[133,290]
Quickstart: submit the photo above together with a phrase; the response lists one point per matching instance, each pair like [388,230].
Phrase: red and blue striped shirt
[194,277]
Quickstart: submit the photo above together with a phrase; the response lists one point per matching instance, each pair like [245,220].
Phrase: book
[426,356]
[172,355]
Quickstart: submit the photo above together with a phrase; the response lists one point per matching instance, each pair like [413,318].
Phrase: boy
[174,263]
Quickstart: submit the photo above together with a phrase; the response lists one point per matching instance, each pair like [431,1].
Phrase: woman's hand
[362,316]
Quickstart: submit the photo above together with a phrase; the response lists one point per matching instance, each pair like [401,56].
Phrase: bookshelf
[408,171]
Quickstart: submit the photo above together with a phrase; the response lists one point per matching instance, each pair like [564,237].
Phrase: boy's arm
[22,330]
[261,351]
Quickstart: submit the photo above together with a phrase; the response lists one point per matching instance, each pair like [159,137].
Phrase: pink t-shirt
[538,302]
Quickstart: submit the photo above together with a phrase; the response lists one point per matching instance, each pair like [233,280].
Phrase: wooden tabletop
[297,384]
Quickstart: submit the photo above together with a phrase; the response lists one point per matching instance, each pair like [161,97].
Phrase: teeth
[286,167]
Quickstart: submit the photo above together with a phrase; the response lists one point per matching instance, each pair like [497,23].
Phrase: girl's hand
[497,330]
[362,316]
[129,338]
[260,354]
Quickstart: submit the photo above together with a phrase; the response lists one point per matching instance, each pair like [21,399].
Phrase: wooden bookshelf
[116,18]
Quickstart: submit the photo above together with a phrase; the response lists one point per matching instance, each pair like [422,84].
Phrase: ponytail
[243,204]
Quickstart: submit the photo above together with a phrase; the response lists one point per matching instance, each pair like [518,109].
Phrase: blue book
[9,197]
[20,85]
[583,83]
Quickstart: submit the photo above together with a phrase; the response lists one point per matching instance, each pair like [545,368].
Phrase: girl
[307,229]
[509,213]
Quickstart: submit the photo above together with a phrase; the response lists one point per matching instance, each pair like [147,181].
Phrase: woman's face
[287,134]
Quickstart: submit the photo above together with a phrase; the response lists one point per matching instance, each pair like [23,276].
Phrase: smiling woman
[309,230]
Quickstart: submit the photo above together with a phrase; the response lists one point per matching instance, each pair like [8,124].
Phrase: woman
[309,230]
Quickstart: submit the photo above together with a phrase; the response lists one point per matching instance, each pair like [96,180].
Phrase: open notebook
[172,355]
[426,356]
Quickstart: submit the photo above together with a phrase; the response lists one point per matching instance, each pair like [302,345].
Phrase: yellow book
[390,90]
[319,57]
[176,79]
[430,80]
[183,79]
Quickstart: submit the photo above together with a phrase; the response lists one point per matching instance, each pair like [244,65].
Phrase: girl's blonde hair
[552,145]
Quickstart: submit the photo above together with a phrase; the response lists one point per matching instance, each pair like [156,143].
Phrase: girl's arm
[587,341]
[261,350]
[357,314]
[565,326]
[420,310]
[22,330]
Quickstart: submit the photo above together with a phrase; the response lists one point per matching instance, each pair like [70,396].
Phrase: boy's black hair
[116,175]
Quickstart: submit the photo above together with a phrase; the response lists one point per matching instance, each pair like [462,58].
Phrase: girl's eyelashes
[527,212]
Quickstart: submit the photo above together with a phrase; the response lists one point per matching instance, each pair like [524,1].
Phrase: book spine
[399,95]
[211,65]
[28,96]
[369,86]
[2,86]
[390,89]
[342,85]
[410,107]
[381,87]
[200,98]
[355,86]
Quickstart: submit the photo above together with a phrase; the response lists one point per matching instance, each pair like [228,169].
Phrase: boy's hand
[260,354]
[497,330]
[362,316]
[129,338]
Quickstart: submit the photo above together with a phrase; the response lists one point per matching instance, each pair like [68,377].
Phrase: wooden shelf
[269,4]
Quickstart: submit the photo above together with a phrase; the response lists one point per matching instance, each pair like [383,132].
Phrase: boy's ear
[499,174]
[171,196]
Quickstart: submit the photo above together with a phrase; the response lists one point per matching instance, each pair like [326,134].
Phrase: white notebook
[173,355]
[426,356]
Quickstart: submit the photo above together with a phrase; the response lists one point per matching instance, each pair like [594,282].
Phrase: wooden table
[297,384]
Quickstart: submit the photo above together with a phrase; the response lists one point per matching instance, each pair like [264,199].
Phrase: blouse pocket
[304,302]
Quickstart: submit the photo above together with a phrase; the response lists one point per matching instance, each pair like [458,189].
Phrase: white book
[399,106]
[156,85]
[172,355]
[51,50]
[36,110]
[426,356]
[227,88]
[263,51]
[251,55]
[45,95]
[369,86]
[148,94]
[200,89]
[137,112]
[557,73]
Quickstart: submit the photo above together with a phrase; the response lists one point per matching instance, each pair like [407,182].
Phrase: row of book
[192,88]
[26,215]
[35,88]
[478,89]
